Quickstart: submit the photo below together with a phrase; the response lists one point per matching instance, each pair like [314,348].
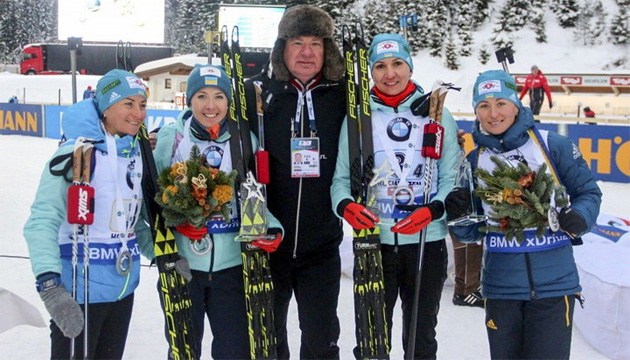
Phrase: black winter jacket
[319,229]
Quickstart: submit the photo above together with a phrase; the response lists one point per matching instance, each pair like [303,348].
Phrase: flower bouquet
[519,197]
[191,192]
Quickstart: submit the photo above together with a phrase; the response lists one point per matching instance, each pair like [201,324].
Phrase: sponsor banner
[54,120]
[581,80]
[21,119]
[606,149]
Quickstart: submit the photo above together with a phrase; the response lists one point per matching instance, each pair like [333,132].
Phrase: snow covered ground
[461,330]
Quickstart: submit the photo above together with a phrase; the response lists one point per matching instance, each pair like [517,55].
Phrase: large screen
[257,25]
[136,21]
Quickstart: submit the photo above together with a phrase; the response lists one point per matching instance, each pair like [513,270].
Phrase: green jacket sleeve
[48,212]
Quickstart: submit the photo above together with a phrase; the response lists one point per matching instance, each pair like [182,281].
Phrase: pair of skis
[174,295]
[369,290]
[256,268]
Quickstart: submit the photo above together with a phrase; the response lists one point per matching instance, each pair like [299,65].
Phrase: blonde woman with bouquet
[208,245]
[539,196]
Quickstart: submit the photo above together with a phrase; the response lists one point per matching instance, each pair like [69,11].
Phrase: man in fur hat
[303,94]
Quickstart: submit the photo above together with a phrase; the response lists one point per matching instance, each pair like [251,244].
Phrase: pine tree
[598,25]
[480,12]
[619,31]
[437,21]
[452,63]
[517,13]
[373,19]
[590,24]
[9,21]
[419,39]
[566,12]
[484,54]
[464,28]
[537,20]
[502,32]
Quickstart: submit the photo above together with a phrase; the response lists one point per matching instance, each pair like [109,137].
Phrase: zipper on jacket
[302,93]
[532,290]
[299,199]
[396,241]
[211,257]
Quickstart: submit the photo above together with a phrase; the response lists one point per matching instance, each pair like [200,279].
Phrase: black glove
[571,222]
[457,203]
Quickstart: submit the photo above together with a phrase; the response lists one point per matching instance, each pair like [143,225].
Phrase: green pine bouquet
[519,198]
[192,192]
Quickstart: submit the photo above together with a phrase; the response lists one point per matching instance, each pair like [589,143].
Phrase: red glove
[192,232]
[419,219]
[359,217]
[269,245]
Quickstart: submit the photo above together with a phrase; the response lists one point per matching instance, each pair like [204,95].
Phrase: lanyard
[295,124]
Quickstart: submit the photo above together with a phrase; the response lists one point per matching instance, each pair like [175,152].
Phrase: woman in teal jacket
[397,133]
[110,123]
[216,288]
[531,287]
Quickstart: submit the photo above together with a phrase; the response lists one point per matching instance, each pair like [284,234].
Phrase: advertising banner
[20,119]
[606,149]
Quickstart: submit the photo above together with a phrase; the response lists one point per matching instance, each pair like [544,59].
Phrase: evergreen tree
[480,12]
[464,28]
[378,18]
[566,12]
[590,24]
[9,21]
[452,63]
[598,25]
[537,20]
[484,54]
[619,31]
[502,31]
[437,22]
[516,13]
[419,39]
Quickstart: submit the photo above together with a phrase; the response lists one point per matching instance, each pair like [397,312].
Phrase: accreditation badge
[305,157]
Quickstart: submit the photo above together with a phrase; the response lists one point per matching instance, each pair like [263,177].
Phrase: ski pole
[85,182]
[432,153]
[73,218]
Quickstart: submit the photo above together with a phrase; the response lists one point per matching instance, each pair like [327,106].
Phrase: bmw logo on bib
[213,155]
[399,129]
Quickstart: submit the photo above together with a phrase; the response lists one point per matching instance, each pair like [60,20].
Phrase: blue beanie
[389,46]
[117,85]
[203,76]
[495,84]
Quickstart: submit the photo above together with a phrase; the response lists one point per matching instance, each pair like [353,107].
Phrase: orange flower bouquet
[191,192]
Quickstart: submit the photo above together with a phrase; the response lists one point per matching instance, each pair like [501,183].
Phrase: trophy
[253,215]
[464,180]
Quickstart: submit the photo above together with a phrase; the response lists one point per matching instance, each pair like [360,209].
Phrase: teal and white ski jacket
[174,143]
[397,137]
[49,235]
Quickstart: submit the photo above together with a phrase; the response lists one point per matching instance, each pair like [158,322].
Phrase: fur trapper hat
[307,20]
